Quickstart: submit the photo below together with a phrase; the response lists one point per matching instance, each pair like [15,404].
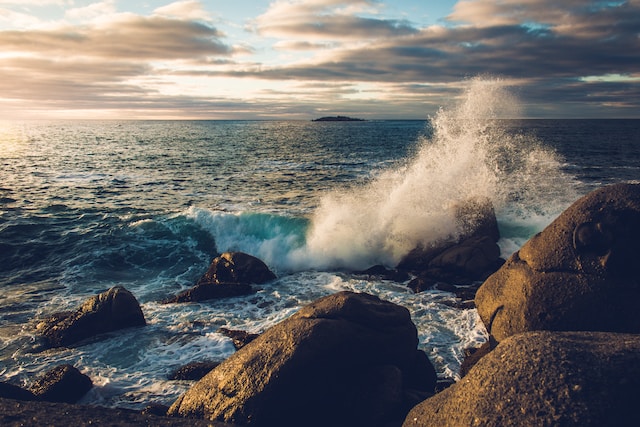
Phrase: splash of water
[469,156]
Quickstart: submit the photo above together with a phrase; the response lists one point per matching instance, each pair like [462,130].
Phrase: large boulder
[64,383]
[470,254]
[544,378]
[230,274]
[111,310]
[579,273]
[348,359]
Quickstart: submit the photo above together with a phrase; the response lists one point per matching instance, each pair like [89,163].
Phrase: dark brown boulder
[579,273]
[544,379]
[470,255]
[237,267]
[348,359]
[471,259]
[111,310]
[64,383]
[230,274]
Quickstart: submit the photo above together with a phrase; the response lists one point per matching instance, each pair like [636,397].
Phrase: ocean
[87,205]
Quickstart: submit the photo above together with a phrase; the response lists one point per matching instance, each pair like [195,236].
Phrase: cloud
[35,2]
[341,55]
[301,45]
[328,20]
[17,19]
[184,9]
[92,11]
[135,37]
[529,42]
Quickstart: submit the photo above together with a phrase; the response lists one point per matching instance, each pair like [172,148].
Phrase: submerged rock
[347,359]
[111,310]
[544,379]
[64,383]
[579,273]
[230,274]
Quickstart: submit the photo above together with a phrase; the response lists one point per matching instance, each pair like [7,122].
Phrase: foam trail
[468,156]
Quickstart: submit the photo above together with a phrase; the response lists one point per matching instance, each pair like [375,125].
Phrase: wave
[469,155]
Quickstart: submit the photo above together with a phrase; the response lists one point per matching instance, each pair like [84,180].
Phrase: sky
[291,59]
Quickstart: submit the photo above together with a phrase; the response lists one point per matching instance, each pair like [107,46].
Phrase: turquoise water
[86,205]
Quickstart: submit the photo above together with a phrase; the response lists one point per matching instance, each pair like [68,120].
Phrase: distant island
[337,119]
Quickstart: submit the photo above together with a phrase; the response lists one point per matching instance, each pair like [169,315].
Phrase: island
[337,119]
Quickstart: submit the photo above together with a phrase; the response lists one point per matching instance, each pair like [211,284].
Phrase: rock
[192,371]
[16,413]
[237,267]
[155,409]
[473,355]
[473,259]
[380,272]
[579,273]
[240,338]
[347,359]
[544,378]
[207,291]
[114,309]
[10,391]
[64,383]
[477,218]
[230,274]
[472,254]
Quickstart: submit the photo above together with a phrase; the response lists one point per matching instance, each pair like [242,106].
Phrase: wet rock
[471,255]
[230,274]
[63,383]
[193,371]
[207,291]
[237,267]
[239,338]
[112,310]
[380,272]
[347,359]
[544,378]
[10,391]
[579,273]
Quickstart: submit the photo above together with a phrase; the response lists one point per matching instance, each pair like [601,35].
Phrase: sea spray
[469,156]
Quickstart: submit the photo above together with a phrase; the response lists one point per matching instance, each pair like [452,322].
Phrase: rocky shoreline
[564,343]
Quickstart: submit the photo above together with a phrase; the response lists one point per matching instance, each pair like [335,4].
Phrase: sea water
[87,205]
